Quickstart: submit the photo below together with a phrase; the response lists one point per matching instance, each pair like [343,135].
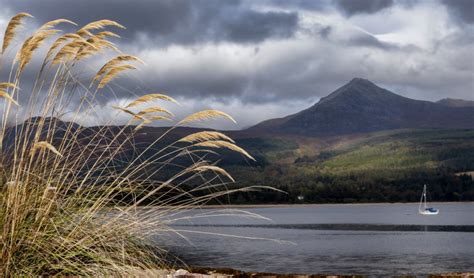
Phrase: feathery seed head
[43,145]
[112,63]
[205,136]
[6,96]
[224,144]
[14,23]
[155,109]
[113,73]
[53,23]
[151,97]
[205,115]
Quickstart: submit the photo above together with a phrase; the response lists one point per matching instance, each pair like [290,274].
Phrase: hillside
[361,106]
[453,102]
[375,167]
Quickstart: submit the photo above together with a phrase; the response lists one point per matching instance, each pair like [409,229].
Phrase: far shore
[249,206]
[316,205]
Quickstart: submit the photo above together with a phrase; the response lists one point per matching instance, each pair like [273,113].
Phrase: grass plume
[73,200]
[151,97]
[6,96]
[12,27]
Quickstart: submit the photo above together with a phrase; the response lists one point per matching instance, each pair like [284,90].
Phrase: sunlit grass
[70,195]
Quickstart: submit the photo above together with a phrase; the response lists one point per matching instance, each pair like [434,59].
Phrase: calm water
[375,240]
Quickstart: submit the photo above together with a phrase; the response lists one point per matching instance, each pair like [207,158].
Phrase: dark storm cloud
[462,9]
[251,26]
[172,21]
[325,31]
[352,7]
[270,54]
[319,5]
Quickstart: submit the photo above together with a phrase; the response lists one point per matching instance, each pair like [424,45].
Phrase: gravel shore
[228,273]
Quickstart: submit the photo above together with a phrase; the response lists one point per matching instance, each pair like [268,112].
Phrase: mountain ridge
[361,106]
[454,102]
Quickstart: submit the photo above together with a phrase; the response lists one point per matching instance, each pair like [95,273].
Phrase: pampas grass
[112,73]
[150,97]
[42,145]
[71,197]
[205,115]
[205,136]
[12,27]
[6,96]
[112,63]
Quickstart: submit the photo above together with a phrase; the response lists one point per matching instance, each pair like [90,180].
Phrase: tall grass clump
[73,199]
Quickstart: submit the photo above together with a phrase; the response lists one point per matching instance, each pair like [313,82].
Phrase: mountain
[360,106]
[382,166]
[453,102]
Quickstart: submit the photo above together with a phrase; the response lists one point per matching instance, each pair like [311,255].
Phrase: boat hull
[426,212]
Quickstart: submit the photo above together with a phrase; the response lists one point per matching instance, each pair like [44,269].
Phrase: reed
[75,202]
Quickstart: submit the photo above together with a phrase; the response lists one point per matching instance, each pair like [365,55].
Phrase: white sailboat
[422,209]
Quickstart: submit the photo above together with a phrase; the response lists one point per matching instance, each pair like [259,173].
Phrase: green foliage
[386,166]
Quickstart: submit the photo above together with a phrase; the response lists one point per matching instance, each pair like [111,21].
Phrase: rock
[180,272]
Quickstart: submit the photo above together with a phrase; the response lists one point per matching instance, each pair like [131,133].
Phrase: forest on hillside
[380,167]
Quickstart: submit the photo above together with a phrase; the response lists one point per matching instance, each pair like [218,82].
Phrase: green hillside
[403,151]
[381,166]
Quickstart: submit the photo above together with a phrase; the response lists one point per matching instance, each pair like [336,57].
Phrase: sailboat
[422,209]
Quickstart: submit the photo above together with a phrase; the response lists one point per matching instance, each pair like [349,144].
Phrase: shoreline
[315,205]
[234,273]
[256,206]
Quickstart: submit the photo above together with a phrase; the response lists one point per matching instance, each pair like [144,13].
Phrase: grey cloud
[366,40]
[251,26]
[461,9]
[172,21]
[324,32]
[310,72]
[352,7]
[259,71]
[320,5]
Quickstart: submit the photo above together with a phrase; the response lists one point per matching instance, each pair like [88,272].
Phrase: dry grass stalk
[71,209]
[150,97]
[135,116]
[114,72]
[30,45]
[6,96]
[42,145]
[12,26]
[215,169]
[69,51]
[100,24]
[114,62]
[206,136]
[105,34]
[224,144]
[154,109]
[53,23]
[59,41]
[205,115]
[159,118]
[7,85]
[99,45]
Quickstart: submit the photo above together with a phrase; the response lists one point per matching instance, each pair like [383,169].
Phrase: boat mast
[421,200]
[424,194]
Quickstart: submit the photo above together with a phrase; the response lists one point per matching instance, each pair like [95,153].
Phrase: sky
[269,58]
